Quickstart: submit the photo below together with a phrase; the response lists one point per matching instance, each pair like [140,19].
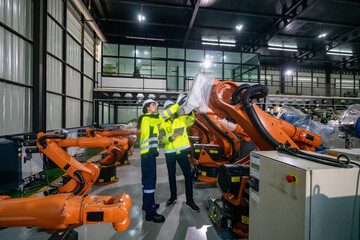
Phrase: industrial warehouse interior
[179,119]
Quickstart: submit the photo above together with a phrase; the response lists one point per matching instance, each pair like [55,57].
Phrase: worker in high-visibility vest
[149,150]
[177,146]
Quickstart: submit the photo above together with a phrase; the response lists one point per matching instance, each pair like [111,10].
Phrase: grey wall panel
[73,79]
[54,38]
[112,119]
[73,53]
[106,113]
[100,113]
[53,111]
[16,58]
[73,26]
[126,114]
[18,14]
[88,89]
[56,9]
[54,72]
[88,114]
[72,113]
[88,64]
[15,108]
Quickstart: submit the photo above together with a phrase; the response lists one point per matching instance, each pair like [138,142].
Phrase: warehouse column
[327,82]
[39,66]
[282,80]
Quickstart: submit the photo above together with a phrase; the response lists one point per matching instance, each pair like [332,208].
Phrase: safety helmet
[149,101]
[168,103]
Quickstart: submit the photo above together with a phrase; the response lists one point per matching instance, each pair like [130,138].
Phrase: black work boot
[193,206]
[157,218]
[157,205]
[171,201]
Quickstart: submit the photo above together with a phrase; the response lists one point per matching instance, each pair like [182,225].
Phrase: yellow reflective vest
[150,131]
[179,124]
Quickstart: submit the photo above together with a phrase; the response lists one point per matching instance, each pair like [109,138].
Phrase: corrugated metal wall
[16,66]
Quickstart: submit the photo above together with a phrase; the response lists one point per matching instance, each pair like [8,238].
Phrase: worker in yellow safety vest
[177,146]
[149,150]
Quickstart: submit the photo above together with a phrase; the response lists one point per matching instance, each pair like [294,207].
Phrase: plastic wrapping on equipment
[350,123]
[198,97]
[229,125]
[303,121]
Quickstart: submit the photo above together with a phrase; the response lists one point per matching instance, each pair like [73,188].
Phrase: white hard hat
[168,103]
[149,101]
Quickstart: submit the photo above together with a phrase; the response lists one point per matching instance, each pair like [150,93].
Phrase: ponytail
[139,120]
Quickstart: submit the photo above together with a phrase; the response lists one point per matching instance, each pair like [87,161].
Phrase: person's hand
[175,136]
[182,100]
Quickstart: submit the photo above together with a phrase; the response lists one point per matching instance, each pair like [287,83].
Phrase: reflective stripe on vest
[148,140]
[149,146]
[178,149]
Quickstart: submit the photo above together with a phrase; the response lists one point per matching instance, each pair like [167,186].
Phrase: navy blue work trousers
[148,179]
[183,161]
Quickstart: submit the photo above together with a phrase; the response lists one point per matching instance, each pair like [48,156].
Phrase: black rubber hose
[295,152]
[235,99]
[230,139]
[257,91]
[204,131]
[82,182]
[54,136]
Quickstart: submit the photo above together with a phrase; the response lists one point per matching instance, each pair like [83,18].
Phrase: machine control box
[214,151]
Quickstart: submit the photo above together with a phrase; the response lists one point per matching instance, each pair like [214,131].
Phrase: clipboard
[179,131]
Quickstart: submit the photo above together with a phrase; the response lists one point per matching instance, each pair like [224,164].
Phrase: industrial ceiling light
[322,35]
[338,53]
[239,27]
[141,18]
[289,72]
[283,49]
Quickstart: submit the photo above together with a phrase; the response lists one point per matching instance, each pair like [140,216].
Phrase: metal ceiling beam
[199,27]
[233,12]
[99,8]
[192,20]
[355,2]
[296,9]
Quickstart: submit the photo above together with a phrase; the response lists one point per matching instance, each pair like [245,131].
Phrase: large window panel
[106,113]
[18,15]
[193,68]
[72,113]
[176,53]
[16,58]
[73,52]
[229,71]
[144,67]
[126,67]
[54,74]
[73,81]
[214,56]
[127,51]
[158,52]
[53,111]
[112,119]
[158,69]
[194,55]
[88,114]
[110,49]
[250,73]
[215,70]
[250,58]
[175,75]
[143,52]
[110,66]
[54,38]
[232,57]
[15,108]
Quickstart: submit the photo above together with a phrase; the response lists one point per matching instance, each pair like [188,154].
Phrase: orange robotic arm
[266,131]
[65,210]
[200,130]
[82,176]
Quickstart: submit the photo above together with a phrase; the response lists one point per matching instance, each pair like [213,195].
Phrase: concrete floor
[181,222]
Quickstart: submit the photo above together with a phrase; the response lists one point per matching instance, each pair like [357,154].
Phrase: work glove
[182,100]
